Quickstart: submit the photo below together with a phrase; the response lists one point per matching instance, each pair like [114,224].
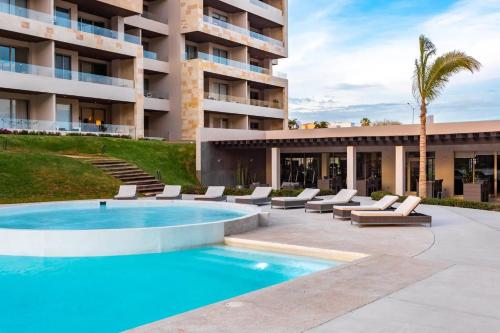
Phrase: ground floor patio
[439,279]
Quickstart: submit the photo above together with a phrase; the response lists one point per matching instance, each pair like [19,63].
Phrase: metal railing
[237,64]
[63,126]
[232,27]
[242,100]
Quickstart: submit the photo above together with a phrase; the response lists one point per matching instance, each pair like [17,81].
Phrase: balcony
[244,106]
[34,78]
[243,31]
[237,64]
[70,24]
[65,127]
[156,101]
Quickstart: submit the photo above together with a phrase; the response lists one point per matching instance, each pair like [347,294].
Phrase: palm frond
[443,68]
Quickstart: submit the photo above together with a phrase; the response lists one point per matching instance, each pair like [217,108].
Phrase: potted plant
[472,189]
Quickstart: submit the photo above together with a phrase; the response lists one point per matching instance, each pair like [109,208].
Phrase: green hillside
[36,168]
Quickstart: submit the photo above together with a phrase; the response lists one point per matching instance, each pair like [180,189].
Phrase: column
[351,167]
[495,173]
[399,170]
[275,169]
[324,164]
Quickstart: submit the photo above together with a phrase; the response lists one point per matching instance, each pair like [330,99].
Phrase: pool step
[130,174]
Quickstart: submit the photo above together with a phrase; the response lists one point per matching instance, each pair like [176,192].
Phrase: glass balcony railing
[236,64]
[150,55]
[18,67]
[242,100]
[23,68]
[64,126]
[25,12]
[64,22]
[252,34]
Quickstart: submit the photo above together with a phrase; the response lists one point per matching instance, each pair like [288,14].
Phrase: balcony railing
[63,22]
[22,68]
[63,126]
[242,100]
[19,67]
[266,6]
[252,34]
[236,64]
[150,55]
[25,12]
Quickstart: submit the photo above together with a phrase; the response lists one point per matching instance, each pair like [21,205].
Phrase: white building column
[399,171]
[351,167]
[275,169]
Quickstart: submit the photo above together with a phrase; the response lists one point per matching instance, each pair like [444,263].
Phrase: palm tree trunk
[422,174]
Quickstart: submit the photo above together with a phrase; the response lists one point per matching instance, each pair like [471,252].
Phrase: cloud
[364,58]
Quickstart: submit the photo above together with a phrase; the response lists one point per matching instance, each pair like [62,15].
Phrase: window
[63,117]
[63,17]
[63,66]
[254,125]
[14,109]
[14,59]
[16,7]
[219,91]
[94,72]
[221,56]
[94,27]
[220,17]
[221,123]
[191,52]
[93,116]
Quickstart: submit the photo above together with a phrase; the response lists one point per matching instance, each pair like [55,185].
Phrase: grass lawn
[30,177]
[32,168]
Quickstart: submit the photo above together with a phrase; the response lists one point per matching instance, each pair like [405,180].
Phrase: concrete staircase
[129,174]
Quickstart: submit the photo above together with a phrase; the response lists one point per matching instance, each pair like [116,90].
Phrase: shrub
[193,189]
[449,202]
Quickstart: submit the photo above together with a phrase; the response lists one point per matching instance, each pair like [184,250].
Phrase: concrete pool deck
[440,279]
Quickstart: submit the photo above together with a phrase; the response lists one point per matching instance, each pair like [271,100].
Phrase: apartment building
[159,68]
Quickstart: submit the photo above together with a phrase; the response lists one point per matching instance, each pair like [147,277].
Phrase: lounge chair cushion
[261,192]
[288,199]
[344,196]
[375,213]
[386,202]
[170,191]
[214,192]
[350,208]
[408,205]
[127,191]
[308,194]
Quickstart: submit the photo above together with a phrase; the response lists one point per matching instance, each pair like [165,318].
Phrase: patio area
[438,279]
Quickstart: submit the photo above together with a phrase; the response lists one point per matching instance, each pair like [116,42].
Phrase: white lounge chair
[170,192]
[127,192]
[260,196]
[295,202]
[343,197]
[403,215]
[213,193]
[385,203]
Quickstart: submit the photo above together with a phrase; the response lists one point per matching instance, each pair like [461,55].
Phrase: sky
[350,59]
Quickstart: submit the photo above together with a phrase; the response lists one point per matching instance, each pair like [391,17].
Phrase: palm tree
[293,124]
[321,124]
[365,122]
[429,79]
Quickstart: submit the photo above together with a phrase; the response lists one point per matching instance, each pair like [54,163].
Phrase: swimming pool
[89,228]
[113,215]
[110,294]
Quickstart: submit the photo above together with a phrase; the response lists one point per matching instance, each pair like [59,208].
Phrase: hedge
[450,202]
[198,189]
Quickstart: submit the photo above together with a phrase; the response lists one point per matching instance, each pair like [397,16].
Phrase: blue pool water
[109,294]
[85,216]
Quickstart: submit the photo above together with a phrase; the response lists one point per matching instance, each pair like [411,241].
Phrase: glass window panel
[5,109]
[63,17]
[21,109]
[63,116]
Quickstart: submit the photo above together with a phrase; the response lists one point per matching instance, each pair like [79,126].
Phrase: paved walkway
[418,279]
